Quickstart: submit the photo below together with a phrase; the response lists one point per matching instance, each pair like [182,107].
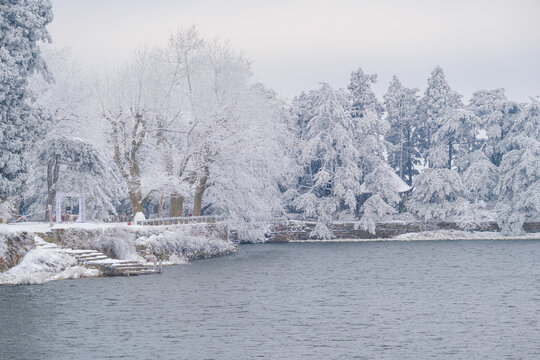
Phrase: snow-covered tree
[128,101]
[228,142]
[519,185]
[363,97]
[438,99]
[497,116]
[64,160]
[371,129]
[188,124]
[330,157]
[252,162]
[383,199]
[437,195]
[446,133]
[401,107]
[454,138]
[480,177]
[72,165]
[22,25]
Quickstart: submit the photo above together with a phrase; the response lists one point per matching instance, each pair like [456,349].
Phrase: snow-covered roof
[399,185]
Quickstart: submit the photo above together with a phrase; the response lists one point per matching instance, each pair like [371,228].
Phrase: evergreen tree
[438,99]
[454,139]
[363,97]
[22,25]
[437,195]
[497,116]
[371,128]
[445,127]
[480,177]
[330,157]
[401,107]
[519,186]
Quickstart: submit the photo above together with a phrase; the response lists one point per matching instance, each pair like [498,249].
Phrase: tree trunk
[409,170]
[160,208]
[409,158]
[177,205]
[450,154]
[199,192]
[137,202]
[197,202]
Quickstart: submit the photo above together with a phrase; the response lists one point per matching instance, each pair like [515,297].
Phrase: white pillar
[82,209]
[58,208]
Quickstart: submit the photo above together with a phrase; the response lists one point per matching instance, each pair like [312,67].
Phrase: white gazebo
[82,205]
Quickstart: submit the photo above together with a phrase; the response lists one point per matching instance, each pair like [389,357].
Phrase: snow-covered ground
[41,227]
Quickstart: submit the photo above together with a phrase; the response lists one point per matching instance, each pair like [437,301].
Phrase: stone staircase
[113,267]
[97,260]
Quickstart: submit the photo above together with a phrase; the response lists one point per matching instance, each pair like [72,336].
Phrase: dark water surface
[378,300]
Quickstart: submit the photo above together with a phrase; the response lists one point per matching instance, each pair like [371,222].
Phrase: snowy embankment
[44,263]
[441,235]
[28,259]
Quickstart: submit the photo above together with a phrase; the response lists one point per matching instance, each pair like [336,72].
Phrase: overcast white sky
[295,44]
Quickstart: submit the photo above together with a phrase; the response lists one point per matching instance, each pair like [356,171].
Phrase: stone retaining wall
[13,247]
[297,230]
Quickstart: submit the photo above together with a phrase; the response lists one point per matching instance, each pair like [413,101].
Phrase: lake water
[376,300]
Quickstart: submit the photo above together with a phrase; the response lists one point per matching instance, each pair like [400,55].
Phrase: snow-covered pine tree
[383,199]
[401,108]
[366,112]
[455,138]
[438,99]
[497,116]
[330,157]
[519,186]
[363,97]
[22,25]
[445,128]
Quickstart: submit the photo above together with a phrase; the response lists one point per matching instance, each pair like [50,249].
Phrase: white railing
[181,220]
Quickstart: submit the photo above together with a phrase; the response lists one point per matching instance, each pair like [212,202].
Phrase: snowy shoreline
[40,261]
[438,235]
[51,253]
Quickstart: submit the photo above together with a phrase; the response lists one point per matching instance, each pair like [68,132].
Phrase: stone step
[89,255]
[82,252]
[130,266]
[126,264]
[111,267]
[116,272]
[91,259]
